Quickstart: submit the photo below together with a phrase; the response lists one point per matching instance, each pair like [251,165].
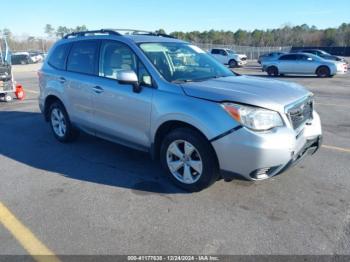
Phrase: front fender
[206,116]
[234,57]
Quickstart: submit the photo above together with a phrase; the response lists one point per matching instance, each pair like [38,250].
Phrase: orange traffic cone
[20,94]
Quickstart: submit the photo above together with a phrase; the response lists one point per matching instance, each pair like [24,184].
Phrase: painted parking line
[25,237]
[347,150]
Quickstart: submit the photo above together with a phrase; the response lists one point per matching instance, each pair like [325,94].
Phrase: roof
[137,36]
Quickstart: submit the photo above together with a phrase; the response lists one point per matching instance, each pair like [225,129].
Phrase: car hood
[238,55]
[262,92]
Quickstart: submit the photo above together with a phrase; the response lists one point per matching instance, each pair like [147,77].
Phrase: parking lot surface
[95,197]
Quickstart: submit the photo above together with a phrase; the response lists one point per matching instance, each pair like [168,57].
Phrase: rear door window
[288,57]
[58,56]
[83,57]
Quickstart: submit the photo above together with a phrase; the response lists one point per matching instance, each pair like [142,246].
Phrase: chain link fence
[252,52]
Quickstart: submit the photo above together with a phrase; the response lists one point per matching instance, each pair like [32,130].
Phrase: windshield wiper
[177,81]
[207,78]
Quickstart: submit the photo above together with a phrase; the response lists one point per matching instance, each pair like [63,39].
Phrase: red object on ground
[20,94]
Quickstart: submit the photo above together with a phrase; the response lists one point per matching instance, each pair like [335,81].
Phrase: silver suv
[158,94]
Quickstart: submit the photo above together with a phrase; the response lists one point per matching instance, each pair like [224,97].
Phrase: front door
[120,114]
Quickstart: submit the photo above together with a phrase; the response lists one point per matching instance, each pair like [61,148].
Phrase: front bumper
[242,62]
[260,155]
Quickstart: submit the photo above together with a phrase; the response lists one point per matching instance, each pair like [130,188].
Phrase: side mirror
[129,77]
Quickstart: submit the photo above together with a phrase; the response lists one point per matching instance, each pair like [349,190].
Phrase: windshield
[324,52]
[181,62]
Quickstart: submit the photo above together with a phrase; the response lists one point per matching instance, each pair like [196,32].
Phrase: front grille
[301,113]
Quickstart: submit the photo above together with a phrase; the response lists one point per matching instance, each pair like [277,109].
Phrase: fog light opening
[261,173]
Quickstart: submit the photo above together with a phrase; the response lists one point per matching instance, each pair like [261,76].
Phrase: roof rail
[116,32]
[143,32]
[83,33]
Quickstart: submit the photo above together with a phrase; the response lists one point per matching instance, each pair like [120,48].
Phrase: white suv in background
[229,57]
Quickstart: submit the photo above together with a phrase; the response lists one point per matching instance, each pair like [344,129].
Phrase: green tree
[79,28]
[160,31]
[329,37]
[62,30]
[49,30]
[241,37]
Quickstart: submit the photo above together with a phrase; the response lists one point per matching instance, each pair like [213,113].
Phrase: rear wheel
[189,160]
[323,71]
[272,71]
[232,63]
[60,123]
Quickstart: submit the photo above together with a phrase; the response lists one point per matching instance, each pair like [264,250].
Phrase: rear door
[288,64]
[80,78]
[120,114]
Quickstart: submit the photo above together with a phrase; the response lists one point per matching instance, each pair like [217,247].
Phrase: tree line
[287,35]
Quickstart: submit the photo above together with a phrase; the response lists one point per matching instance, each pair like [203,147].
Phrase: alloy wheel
[184,161]
[58,122]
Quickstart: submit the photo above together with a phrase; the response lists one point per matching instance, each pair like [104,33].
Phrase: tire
[202,157]
[323,71]
[272,71]
[8,98]
[232,63]
[60,124]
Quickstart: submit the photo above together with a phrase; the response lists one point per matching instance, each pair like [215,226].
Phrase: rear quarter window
[58,56]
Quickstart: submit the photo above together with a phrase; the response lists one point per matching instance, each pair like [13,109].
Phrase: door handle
[98,89]
[62,80]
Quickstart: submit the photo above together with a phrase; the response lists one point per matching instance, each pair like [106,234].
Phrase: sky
[30,16]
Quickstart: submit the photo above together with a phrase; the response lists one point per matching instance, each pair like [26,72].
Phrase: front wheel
[189,160]
[232,64]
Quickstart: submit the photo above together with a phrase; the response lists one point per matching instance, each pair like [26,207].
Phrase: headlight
[254,117]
